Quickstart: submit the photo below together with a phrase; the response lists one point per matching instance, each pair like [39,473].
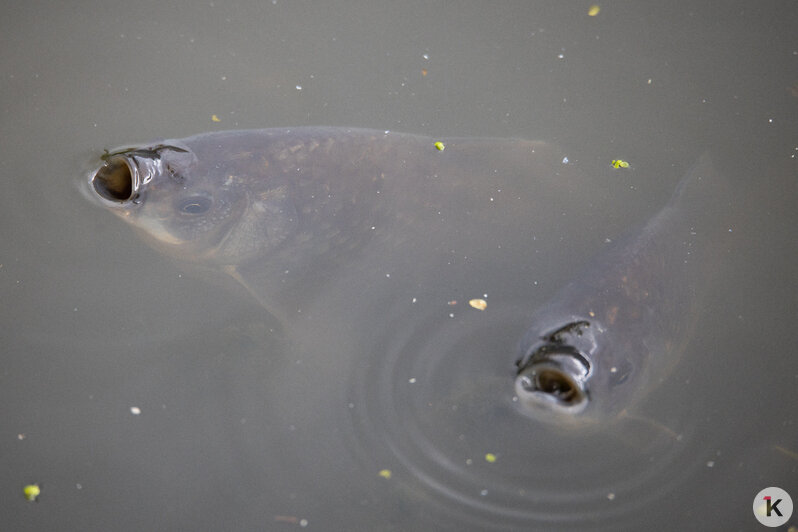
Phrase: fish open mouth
[554,380]
[116,180]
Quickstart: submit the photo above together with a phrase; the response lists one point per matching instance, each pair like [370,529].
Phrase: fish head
[573,372]
[194,205]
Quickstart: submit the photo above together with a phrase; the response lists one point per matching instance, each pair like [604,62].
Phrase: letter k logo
[772,507]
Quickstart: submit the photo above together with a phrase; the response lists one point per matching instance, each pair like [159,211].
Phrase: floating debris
[593,11]
[490,458]
[385,473]
[440,146]
[479,304]
[215,118]
[619,163]
[32,492]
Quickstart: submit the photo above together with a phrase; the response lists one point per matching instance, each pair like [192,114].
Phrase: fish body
[286,211]
[605,337]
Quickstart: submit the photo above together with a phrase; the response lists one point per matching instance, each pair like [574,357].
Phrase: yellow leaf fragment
[32,492]
[619,163]
[594,10]
[490,458]
[385,473]
[440,146]
[215,118]
[479,304]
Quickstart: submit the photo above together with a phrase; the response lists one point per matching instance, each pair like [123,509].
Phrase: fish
[288,212]
[610,334]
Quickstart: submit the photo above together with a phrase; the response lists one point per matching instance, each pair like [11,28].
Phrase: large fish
[287,211]
[610,332]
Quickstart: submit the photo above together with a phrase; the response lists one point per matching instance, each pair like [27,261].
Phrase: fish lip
[118,181]
[554,378]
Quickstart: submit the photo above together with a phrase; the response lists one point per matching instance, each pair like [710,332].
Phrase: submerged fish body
[285,211]
[607,335]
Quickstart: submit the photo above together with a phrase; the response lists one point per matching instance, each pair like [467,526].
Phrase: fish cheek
[268,218]
[620,373]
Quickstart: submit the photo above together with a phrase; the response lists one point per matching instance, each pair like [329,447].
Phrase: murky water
[243,422]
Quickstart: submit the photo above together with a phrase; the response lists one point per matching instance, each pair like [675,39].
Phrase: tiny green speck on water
[32,492]
[440,145]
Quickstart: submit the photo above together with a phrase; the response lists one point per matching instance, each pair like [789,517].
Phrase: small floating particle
[385,473]
[215,118]
[423,71]
[490,458]
[479,304]
[440,146]
[611,496]
[593,11]
[452,302]
[32,492]
[618,163]
[135,410]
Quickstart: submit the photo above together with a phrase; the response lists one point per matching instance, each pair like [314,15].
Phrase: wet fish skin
[604,339]
[287,208]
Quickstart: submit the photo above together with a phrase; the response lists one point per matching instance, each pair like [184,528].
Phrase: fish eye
[195,205]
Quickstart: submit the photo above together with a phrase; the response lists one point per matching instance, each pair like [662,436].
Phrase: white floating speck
[135,410]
